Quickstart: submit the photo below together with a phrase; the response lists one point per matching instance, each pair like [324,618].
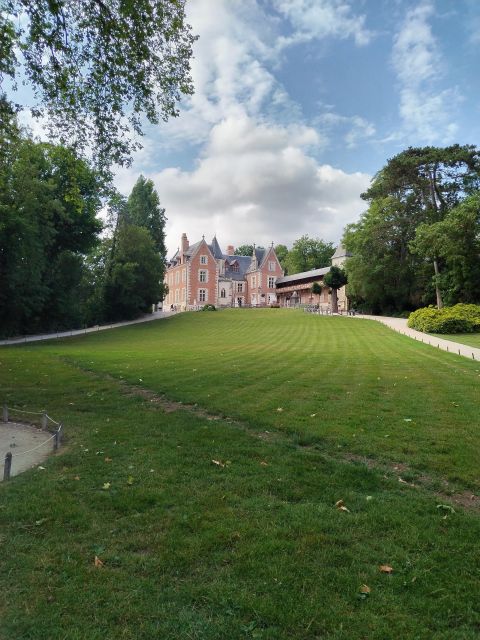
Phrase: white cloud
[256,182]
[425,110]
[355,128]
[318,19]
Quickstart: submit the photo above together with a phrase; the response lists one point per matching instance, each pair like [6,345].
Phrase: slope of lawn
[472,339]
[218,520]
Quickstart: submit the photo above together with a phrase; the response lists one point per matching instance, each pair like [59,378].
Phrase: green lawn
[300,412]
[472,339]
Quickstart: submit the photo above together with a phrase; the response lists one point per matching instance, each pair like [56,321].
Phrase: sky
[298,103]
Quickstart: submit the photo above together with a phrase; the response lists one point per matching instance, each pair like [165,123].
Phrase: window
[184,294]
[184,275]
[239,287]
[202,295]
[177,295]
[203,275]
[235,267]
[203,259]
[271,282]
[254,282]
[223,293]
[271,266]
[177,277]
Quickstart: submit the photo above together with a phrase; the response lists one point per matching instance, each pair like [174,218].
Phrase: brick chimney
[184,244]
[230,250]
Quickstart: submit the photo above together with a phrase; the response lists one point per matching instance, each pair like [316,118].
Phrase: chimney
[184,242]
[230,250]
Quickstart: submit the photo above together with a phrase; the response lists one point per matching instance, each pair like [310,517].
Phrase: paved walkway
[400,325]
[158,315]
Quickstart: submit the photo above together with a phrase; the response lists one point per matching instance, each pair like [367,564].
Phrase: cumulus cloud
[426,111]
[256,182]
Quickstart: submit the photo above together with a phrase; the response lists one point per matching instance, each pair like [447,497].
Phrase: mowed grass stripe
[373,392]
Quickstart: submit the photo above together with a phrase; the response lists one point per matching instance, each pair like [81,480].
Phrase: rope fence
[43,420]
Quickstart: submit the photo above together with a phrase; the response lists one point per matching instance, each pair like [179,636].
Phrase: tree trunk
[334,301]
[437,289]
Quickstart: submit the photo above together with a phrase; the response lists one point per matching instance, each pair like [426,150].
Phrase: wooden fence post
[8,466]
[44,420]
[5,413]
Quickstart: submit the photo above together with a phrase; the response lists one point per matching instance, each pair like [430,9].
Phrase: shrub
[209,307]
[461,318]
[274,305]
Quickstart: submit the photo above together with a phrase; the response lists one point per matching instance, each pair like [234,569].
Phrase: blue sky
[299,102]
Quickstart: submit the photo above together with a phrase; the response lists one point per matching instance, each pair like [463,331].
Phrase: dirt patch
[28,445]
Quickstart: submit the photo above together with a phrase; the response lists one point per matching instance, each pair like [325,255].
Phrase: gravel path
[400,325]
[158,315]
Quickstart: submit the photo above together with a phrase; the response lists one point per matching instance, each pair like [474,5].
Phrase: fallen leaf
[107,459]
[130,480]
[407,420]
[385,568]
[41,468]
[279,409]
[446,507]
[365,589]
[97,562]
[218,463]
[106,486]
[264,464]
[312,415]
[341,507]
[76,478]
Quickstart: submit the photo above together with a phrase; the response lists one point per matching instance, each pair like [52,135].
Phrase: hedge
[462,318]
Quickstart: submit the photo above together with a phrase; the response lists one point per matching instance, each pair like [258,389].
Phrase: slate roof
[215,249]
[243,265]
[304,275]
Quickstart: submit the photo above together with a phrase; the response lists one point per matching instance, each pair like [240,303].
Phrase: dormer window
[234,266]
[203,259]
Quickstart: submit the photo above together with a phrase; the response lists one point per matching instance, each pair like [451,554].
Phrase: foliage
[49,200]
[98,68]
[335,279]
[133,272]
[244,250]
[456,240]
[209,307]
[317,288]
[419,186]
[461,318]
[309,253]
[281,251]
[143,210]
[191,548]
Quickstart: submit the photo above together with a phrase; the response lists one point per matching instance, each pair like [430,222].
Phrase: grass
[254,548]
[471,339]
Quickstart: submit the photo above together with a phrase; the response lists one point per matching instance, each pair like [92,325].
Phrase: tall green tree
[455,240]
[133,280]
[49,200]
[281,251]
[144,210]
[336,278]
[428,182]
[309,253]
[98,68]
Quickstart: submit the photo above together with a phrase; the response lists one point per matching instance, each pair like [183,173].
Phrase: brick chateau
[201,273]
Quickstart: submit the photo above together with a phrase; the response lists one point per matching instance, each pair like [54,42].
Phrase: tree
[281,251]
[456,240]
[49,200]
[133,277]
[97,68]
[309,253]
[316,288]
[335,279]
[428,182]
[144,210]
[244,250]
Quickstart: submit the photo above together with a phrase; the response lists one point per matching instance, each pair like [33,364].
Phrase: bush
[462,318]
[274,305]
[209,307]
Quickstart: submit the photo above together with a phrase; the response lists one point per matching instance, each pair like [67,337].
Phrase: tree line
[418,242]
[60,267]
